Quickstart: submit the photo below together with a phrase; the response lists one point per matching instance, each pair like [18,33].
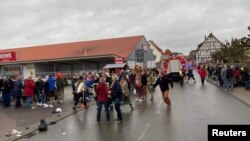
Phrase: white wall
[156,53]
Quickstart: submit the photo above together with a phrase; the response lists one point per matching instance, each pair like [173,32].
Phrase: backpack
[43,125]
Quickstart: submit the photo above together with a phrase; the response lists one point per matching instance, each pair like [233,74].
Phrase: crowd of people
[112,90]
[45,91]
[229,76]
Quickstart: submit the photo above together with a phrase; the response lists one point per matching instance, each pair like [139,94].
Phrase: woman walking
[79,92]
[164,81]
[125,92]
[150,79]
[203,74]
[102,99]
[116,94]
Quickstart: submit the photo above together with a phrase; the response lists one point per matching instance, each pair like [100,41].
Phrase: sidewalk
[239,93]
[27,120]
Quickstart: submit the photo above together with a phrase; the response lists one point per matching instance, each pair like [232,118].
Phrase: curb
[237,98]
[34,128]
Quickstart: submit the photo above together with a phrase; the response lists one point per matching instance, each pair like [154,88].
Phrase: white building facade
[206,48]
[157,52]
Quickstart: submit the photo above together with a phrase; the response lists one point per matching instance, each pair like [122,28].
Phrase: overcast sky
[179,25]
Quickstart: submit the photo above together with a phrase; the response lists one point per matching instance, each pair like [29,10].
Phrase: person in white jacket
[79,92]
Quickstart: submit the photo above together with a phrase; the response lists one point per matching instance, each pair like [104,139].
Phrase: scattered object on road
[63,133]
[33,107]
[14,132]
[52,123]
[43,125]
[57,110]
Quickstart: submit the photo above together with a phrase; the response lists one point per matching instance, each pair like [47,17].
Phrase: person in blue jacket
[17,91]
[51,90]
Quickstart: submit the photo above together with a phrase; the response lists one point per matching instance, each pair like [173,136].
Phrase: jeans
[131,88]
[118,109]
[18,101]
[99,110]
[202,80]
[6,99]
[225,83]
[42,98]
[220,80]
[230,83]
[28,101]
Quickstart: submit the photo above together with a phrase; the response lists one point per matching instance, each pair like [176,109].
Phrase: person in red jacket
[29,87]
[203,74]
[102,93]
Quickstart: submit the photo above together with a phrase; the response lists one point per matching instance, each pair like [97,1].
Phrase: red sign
[7,56]
[119,60]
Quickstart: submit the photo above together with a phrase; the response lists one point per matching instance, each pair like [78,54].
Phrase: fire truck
[173,63]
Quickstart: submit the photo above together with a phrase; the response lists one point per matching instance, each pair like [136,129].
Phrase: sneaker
[51,106]
[119,121]
[140,100]
[45,105]
[39,104]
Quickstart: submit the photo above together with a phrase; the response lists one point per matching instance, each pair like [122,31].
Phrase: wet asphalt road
[193,108]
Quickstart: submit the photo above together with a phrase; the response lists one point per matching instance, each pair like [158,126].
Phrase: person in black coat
[164,82]
[6,91]
[144,83]
[117,97]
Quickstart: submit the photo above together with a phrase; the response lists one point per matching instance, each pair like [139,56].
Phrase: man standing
[6,89]
[17,91]
[224,77]
[51,90]
[60,85]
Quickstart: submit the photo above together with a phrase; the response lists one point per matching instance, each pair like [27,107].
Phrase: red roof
[121,47]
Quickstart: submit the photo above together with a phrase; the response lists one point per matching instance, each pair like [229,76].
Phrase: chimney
[205,37]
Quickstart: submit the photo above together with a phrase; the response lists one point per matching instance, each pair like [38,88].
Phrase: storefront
[75,58]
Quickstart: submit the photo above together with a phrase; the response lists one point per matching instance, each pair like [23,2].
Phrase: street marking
[143,132]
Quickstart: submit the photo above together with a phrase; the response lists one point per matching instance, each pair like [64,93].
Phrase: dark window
[139,56]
